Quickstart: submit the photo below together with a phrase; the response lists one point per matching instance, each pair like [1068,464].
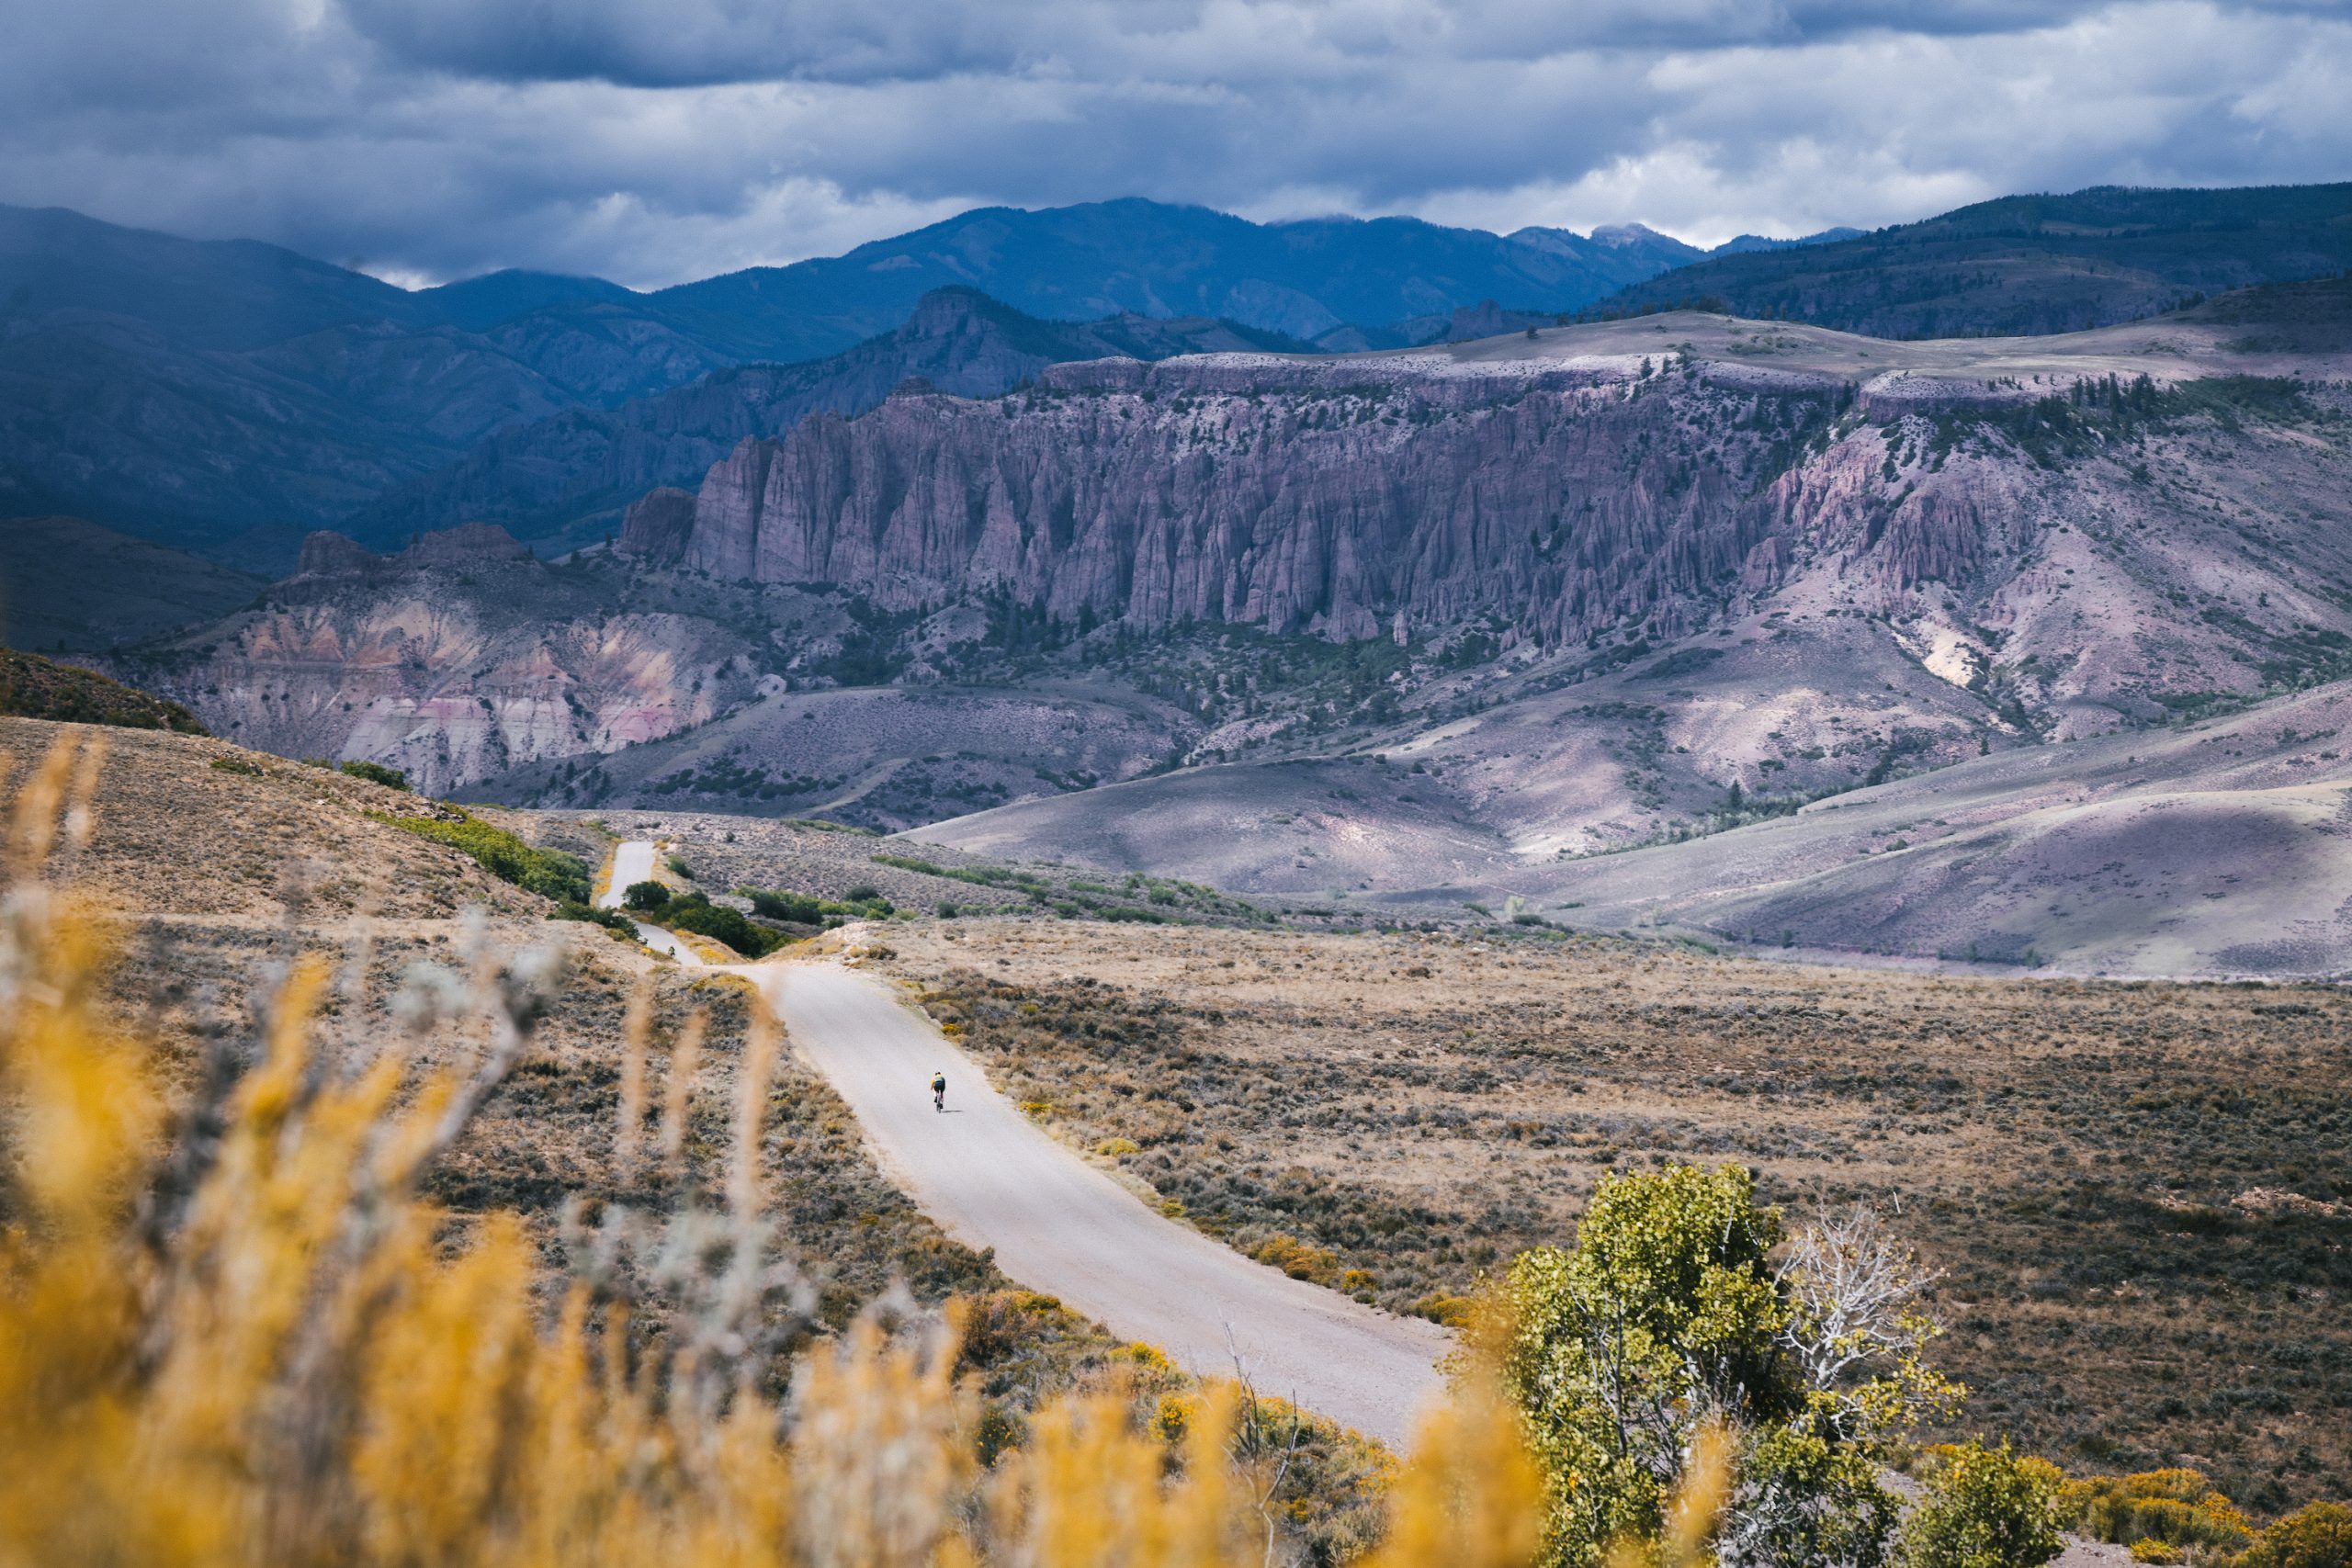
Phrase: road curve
[1061,1226]
[633,863]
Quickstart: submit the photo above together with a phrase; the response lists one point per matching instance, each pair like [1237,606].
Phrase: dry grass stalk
[282,1360]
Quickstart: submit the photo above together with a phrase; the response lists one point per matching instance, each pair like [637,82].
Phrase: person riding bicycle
[939,1091]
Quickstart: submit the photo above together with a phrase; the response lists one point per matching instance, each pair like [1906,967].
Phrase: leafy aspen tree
[1669,1317]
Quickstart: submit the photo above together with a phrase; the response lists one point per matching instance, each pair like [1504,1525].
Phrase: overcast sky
[656,140]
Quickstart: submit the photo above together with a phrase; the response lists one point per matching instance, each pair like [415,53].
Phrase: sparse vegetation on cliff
[35,687]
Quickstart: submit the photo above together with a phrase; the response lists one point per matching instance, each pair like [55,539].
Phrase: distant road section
[1061,1225]
[633,863]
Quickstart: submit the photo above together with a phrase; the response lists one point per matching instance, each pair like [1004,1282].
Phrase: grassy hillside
[34,687]
[2028,264]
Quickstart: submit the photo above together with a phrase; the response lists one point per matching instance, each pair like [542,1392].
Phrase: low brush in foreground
[261,1346]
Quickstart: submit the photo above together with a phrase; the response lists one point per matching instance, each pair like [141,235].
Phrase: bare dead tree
[1854,1290]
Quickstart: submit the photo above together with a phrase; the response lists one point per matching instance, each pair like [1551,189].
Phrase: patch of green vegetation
[803,909]
[549,872]
[1136,897]
[612,920]
[1681,661]
[376,772]
[979,875]
[694,912]
[34,687]
[721,775]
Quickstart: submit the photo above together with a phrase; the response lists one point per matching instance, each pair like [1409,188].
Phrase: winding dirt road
[633,863]
[1061,1226]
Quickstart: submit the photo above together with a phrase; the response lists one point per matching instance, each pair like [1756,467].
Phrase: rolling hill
[195,391]
[67,584]
[2028,264]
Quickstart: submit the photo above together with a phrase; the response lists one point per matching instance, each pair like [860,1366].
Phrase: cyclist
[939,1091]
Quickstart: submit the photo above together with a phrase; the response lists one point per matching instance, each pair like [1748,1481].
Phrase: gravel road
[633,861]
[1061,1226]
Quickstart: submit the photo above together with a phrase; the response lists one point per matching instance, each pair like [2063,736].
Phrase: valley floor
[2137,1191]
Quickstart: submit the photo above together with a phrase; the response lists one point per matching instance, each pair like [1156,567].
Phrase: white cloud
[655,142]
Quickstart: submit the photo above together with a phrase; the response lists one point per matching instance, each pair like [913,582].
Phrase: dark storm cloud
[653,142]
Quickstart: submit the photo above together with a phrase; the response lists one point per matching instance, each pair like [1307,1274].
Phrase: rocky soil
[2098,1167]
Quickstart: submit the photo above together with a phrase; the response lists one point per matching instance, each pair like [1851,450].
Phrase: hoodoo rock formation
[1354,500]
[1563,500]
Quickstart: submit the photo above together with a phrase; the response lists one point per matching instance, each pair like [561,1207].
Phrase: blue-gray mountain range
[229,396]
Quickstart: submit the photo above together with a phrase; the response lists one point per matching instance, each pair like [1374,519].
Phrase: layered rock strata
[1352,499]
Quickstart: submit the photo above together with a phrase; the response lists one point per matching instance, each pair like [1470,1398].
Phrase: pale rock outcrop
[1294,496]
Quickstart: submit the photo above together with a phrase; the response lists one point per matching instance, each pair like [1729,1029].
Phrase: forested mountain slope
[2028,264]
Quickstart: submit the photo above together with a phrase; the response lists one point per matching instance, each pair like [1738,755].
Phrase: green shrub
[646,898]
[864,893]
[1983,1508]
[2318,1535]
[909,863]
[1669,1313]
[237,765]
[551,873]
[2175,1507]
[611,919]
[678,867]
[376,772]
[863,903]
[797,907]
[694,912]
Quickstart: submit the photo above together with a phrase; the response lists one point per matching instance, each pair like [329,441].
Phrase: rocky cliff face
[1344,500]
[1609,584]
[2061,551]
[457,661]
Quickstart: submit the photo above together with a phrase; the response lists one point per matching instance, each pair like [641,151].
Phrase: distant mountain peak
[1743,244]
[1621,236]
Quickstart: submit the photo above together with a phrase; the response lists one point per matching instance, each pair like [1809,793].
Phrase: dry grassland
[2140,1192]
[543,1146]
[221,877]
[188,826]
[218,878]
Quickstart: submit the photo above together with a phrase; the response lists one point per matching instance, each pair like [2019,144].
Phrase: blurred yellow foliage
[249,1342]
